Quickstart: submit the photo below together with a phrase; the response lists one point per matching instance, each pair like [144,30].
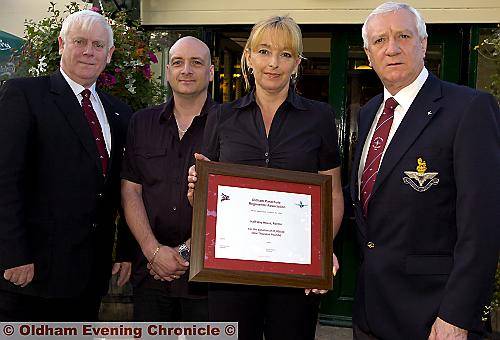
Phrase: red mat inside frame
[313,269]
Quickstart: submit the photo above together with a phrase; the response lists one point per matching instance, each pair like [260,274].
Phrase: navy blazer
[57,210]
[430,249]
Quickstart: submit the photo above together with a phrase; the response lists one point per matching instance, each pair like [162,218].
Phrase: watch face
[184,254]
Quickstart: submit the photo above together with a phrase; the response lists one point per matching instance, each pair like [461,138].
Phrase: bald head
[190,42]
[189,68]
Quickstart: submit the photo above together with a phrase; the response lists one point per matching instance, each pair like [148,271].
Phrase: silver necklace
[182,131]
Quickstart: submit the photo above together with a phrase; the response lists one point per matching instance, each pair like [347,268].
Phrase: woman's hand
[335,268]
[192,177]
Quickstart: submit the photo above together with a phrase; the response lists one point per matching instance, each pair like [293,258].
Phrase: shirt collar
[406,95]
[167,110]
[77,88]
[292,98]
[245,100]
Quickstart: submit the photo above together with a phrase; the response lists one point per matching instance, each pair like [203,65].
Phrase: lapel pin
[429,113]
[116,113]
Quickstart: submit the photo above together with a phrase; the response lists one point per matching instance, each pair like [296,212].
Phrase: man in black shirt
[160,147]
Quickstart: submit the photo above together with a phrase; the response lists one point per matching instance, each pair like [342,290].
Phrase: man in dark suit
[426,190]
[61,144]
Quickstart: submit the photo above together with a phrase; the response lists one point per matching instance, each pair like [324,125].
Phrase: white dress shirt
[405,98]
[96,105]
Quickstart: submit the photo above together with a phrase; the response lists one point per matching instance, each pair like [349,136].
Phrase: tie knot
[86,93]
[391,103]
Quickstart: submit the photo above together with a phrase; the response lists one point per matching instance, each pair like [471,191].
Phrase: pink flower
[118,70]
[152,57]
[96,9]
[106,80]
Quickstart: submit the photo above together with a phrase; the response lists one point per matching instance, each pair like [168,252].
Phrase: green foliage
[490,49]
[496,295]
[129,74]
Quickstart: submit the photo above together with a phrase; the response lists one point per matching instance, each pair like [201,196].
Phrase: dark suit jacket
[434,252]
[56,208]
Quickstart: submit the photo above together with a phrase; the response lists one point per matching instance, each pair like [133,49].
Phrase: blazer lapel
[420,113]
[68,104]
[112,115]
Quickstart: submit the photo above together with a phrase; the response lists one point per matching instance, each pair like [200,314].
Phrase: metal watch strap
[184,251]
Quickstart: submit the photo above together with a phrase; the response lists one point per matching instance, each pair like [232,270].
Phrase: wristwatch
[184,251]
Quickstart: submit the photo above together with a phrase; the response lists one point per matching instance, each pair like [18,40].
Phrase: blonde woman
[273,127]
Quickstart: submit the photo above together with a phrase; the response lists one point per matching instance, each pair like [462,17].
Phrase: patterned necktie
[375,151]
[95,127]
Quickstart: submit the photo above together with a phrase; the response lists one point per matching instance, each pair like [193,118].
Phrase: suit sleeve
[125,241]
[476,157]
[16,127]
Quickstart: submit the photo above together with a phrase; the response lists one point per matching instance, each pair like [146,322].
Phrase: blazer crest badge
[420,180]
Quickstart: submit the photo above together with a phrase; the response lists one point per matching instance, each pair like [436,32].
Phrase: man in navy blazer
[60,160]
[426,192]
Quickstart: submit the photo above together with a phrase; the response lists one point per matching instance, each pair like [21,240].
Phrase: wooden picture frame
[205,267]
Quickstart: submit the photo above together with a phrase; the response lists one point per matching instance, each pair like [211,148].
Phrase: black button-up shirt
[158,160]
[302,136]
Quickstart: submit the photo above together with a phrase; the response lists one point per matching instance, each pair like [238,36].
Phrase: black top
[159,161]
[302,136]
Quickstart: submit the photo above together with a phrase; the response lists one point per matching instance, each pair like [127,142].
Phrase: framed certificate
[261,226]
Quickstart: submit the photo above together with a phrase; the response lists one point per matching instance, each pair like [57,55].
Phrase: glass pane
[315,68]
[433,59]
[229,83]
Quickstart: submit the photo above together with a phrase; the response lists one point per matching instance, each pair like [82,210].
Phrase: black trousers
[278,313]
[359,334]
[20,307]
[152,302]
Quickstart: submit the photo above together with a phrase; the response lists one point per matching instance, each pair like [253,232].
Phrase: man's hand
[20,276]
[335,269]
[192,177]
[168,264]
[124,269]
[442,330]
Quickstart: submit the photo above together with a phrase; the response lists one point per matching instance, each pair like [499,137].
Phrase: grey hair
[392,7]
[86,19]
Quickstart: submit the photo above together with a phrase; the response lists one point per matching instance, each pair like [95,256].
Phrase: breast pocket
[425,171]
[152,164]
